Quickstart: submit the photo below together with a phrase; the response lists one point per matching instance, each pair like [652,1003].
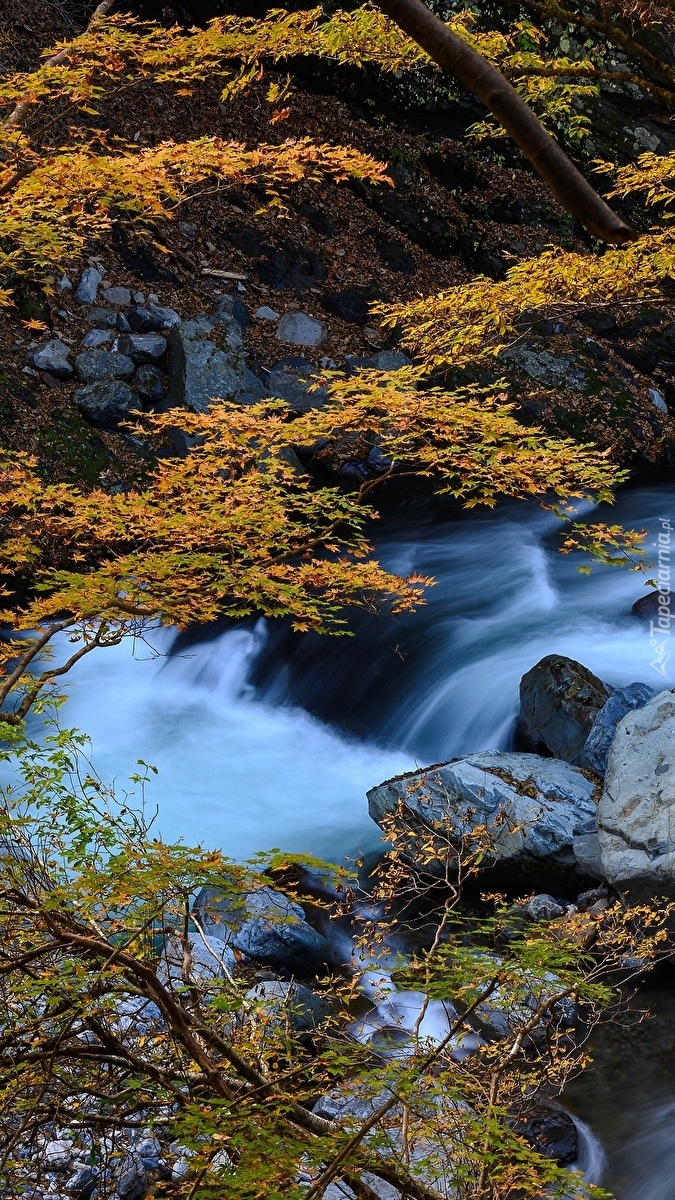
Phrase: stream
[263,739]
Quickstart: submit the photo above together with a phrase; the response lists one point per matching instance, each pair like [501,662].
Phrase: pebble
[266,314]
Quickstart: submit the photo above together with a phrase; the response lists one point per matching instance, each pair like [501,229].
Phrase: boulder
[53,357]
[106,403]
[233,306]
[267,927]
[203,369]
[553,1133]
[142,347]
[87,288]
[150,382]
[621,701]
[93,365]
[636,812]
[301,329]
[211,959]
[291,379]
[531,808]
[280,1001]
[153,319]
[559,700]
[648,606]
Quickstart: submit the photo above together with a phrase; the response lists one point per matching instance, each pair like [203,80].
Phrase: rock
[531,808]
[180,1170]
[119,296]
[104,318]
[543,908]
[149,381]
[654,605]
[81,1183]
[53,357]
[553,1133]
[96,338]
[282,1001]
[211,959]
[138,297]
[142,347]
[636,812]
[154,319]
[265,313]
[64,284]
[203,370]
[87,288]
[131,1179]
[149,1150]
[586,847]
[353,304]
[301,329]
[559,700]
[106,403]
[385,360]
[232,306]
[269,928]
[621,701]
[657,400]
[291,379]
[92,365]
[189,229]
[57,1156]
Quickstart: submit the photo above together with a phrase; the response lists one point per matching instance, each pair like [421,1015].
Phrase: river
[266,740]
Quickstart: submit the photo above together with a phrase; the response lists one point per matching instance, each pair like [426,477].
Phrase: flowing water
[263,739]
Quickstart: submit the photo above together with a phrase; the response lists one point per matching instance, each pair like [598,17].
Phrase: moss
[70,451]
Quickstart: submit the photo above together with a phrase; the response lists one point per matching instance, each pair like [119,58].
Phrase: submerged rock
[636,813]
[559,700]
[530,806]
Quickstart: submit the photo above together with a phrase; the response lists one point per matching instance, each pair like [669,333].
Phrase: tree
[111,1023]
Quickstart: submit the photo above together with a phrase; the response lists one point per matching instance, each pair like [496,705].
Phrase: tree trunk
[478,76]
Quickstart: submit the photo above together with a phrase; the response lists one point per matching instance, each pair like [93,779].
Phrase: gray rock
[106,403]
[559,700]
[385,360]
[189,229]
[142,347]
[232,306]
[96,338]
[149,1150]
[64,284]
[551,370]
[291,379]
[267,927]
[621,701]
[53,357]
[57,1156]
[104,318]
[153,319]
[301,329]
[203,369]
[657,608]
[93,365]
[119,296]
[138,297]
[87,288]
[180,1170]
[636,813]
[81,1183]
[150,382]
[657,400]
[211,959]
[531,808]
[282,1001]
[131,1179]
[543,908]
[586,847]
[265,313]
